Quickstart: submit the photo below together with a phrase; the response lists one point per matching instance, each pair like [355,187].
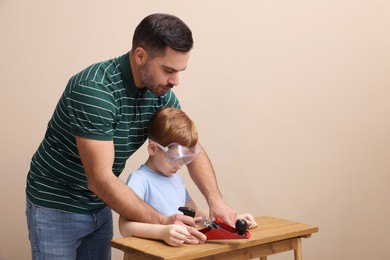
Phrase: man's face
[161,73]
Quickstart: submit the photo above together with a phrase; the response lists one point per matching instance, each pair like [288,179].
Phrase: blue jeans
[61,235]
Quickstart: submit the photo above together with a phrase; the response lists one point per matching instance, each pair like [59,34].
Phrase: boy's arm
[174,234]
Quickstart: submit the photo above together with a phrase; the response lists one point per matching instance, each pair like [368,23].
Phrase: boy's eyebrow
[173,69]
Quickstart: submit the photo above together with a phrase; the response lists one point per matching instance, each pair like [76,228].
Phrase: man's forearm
[124,201]
[97,158]
[202,173]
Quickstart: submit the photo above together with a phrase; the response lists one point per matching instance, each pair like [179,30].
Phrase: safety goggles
[177,154]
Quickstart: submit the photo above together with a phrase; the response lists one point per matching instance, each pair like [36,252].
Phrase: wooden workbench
[273,235]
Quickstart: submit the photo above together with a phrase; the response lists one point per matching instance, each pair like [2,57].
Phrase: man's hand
[202,173]
[220,210]
[189,222]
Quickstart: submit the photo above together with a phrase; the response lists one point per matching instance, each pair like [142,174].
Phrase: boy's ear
[152,148]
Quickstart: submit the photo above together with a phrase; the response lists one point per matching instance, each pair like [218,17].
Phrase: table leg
[298,251]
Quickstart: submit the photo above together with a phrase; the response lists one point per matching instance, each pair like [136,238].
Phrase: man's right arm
[97,158]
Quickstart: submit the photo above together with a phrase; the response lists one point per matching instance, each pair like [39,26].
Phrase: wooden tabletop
[269,230]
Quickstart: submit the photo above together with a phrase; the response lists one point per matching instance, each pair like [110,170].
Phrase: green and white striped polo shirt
[101,103]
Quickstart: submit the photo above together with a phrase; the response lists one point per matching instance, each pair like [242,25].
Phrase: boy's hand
[249,220]
[177,235]
[195,237]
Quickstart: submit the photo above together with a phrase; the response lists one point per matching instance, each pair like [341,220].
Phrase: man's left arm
[202,173]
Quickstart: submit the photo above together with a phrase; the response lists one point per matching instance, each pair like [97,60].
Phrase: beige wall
[291,99]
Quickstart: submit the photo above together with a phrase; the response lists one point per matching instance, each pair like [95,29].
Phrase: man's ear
[140,55]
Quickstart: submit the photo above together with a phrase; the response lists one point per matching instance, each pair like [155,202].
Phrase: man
[99,122]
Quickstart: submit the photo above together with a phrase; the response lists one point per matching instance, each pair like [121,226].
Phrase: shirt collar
[128,79]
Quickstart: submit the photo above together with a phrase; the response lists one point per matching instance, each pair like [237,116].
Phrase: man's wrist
[215,198]
[163,220]
[153,217]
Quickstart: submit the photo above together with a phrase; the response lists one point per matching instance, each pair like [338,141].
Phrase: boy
[173,140]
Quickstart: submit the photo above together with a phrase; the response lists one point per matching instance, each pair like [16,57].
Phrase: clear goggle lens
[178,155]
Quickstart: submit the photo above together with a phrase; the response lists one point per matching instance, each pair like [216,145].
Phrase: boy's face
[160,161]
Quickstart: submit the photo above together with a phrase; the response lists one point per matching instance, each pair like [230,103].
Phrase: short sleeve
[92,111]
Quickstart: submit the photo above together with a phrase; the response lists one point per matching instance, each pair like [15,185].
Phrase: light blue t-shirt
[165,194]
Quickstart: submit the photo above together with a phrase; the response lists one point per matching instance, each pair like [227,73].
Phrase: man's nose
[174,79]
